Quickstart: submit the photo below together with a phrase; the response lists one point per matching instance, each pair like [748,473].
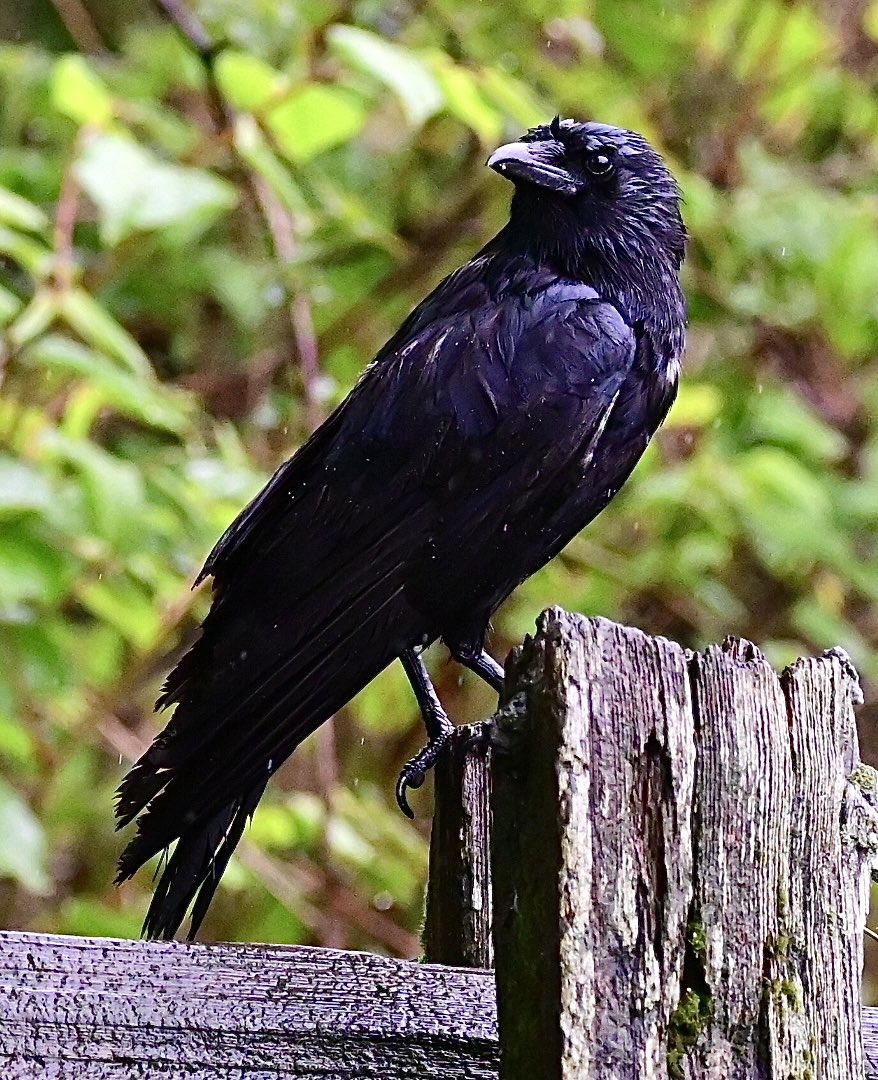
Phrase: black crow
[505,413]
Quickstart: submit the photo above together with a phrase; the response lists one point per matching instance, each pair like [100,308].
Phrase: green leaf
[248,82]
[22,843]
[826,628]
[31,572]
[35,319]
[10,306]
[397,67]
[21,488]
[20,213]
[698,404]
[780,416]
[465,100]
[514,98]
[275,827]
[16,743]
[42,666]
[124,605]
[77,92]
[85,916]
[385,705]
[316,119]
[142,398]
[92,322]
[27,252]
[136,191]
[113,488]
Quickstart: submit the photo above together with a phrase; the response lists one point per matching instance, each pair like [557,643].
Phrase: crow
[504,414]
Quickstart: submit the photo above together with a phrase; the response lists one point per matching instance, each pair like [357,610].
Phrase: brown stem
[189,25]
[280,223]
[65,222]
[78,24]
[283,230]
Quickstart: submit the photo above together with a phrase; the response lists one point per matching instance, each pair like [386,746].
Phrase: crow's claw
[414,772]
[407,780]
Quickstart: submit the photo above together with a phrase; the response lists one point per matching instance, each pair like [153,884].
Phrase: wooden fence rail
[93,1009]
[677,887]
[96,1009]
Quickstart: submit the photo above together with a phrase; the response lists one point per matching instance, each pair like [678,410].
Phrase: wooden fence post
[457,926]
[681,861]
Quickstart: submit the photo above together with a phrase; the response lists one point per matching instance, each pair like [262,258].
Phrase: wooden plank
[95,1009]
[743,802]
[870,1042]
[833,841]
[682,850]
[593,772]
[457,927]
[782,879]
[84,1008]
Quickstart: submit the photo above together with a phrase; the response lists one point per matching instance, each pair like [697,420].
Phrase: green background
[192,272]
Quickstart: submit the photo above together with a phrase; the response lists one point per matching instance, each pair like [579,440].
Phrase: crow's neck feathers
[631,260]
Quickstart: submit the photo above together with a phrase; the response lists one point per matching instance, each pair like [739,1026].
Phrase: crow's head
[594,194]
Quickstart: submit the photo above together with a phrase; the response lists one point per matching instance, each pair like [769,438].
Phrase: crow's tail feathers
[193,870]
[287,642]
[244,700]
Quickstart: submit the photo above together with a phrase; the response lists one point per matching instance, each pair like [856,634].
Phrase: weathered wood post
[681,860]
[457,927]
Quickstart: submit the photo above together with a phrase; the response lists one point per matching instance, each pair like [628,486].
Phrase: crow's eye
[599,163]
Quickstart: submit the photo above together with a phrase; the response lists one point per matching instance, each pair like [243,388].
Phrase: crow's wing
[469,403]
[331,571]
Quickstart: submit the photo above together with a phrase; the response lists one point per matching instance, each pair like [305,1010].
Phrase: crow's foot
[414,772]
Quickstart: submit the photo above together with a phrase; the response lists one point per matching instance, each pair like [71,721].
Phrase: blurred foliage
[195,265]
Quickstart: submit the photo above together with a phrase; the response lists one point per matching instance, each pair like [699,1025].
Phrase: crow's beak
[536,163]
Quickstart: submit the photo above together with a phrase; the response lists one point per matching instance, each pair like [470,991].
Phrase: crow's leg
[469,650]
[439,729]
[477,659]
